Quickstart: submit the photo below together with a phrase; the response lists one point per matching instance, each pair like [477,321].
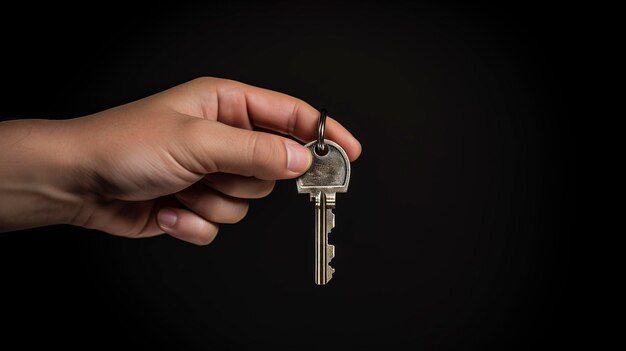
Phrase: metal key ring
[321,130]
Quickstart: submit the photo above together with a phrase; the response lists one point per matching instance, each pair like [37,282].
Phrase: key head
[329,173]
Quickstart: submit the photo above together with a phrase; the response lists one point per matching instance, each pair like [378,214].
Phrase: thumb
[217,147]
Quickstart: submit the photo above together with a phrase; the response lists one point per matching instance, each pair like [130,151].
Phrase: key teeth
[329,273]
[330,249]
[330,254]
[330,220]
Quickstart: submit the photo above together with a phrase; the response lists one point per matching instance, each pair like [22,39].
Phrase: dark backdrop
[455,233]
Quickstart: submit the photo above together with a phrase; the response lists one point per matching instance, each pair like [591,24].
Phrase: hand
[181,161]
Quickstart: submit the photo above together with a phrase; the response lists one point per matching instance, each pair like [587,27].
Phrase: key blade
[321,240]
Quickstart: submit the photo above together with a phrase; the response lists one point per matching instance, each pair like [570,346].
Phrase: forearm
[38,172]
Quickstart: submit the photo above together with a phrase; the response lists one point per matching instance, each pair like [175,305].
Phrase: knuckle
[243,211]
[207,237]
[292,121]
[203,81]
[213,82]
[266,189]
[190,145]
[236,213]
[263,150]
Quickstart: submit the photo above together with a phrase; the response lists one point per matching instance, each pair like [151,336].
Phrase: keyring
[321,129]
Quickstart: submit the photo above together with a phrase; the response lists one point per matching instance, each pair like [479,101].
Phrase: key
[329,174]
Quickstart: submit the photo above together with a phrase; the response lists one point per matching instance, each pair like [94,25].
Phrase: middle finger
[239,186]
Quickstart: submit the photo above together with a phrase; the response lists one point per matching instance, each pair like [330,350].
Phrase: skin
[179,162]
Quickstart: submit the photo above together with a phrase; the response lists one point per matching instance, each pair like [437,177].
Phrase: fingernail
[167,218]
[298,157]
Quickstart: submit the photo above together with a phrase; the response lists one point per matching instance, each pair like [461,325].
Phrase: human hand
[181,161]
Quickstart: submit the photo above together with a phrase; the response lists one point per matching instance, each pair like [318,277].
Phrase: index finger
[240,104]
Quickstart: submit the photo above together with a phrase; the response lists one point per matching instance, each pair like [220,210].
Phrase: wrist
[38,172]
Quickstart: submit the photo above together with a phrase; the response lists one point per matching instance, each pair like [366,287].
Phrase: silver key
[329,174]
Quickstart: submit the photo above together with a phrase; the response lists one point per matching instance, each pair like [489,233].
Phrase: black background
[455,233]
